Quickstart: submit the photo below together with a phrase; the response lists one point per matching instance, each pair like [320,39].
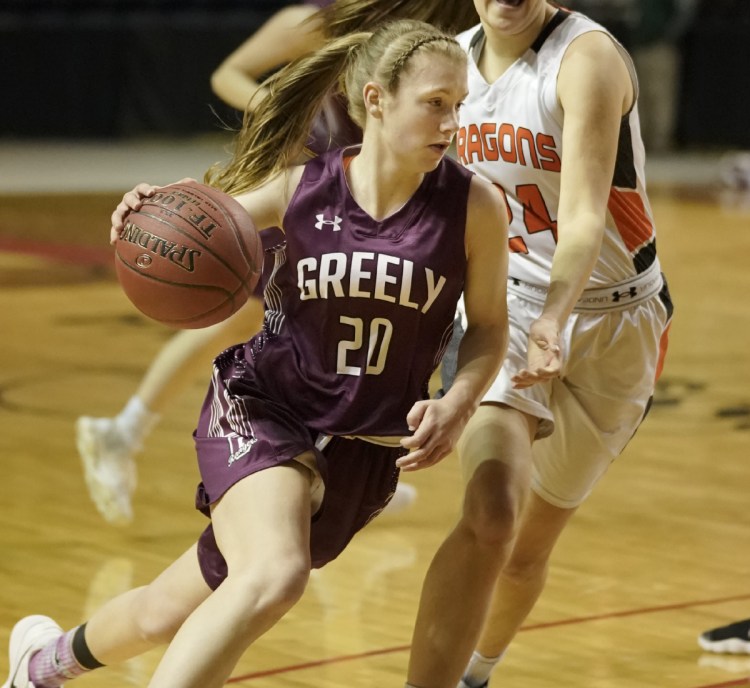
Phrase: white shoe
[402,499]
[28,636]
[109,467]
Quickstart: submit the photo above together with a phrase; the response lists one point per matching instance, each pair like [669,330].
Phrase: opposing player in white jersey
[552,121]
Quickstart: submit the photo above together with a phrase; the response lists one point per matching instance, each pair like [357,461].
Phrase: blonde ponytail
[273,136]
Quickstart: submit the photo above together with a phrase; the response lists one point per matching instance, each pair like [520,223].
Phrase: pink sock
[51,666]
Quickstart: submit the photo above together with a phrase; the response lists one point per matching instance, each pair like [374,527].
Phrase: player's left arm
[595,90]
[438,423]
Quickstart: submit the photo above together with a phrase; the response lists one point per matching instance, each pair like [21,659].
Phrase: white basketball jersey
[511,134]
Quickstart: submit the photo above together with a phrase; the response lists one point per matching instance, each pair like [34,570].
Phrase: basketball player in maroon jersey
[305,427]
[108,446]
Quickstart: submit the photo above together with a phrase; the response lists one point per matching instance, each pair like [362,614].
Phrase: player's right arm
[265,204]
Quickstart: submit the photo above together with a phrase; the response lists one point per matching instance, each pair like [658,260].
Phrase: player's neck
[378,186]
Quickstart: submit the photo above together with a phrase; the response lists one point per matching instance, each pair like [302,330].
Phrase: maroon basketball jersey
[359,311]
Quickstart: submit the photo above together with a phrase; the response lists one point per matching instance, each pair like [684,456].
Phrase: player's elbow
[218,82]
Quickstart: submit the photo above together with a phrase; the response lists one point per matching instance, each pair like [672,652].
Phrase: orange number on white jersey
[536,217]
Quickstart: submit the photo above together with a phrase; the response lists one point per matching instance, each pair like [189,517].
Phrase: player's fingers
[526,378]
[118,219]
[131,200]
[122,209]
[536,374]
[547,345]
[185,180]
[145,189]
[409,442]
[412,461]
[134,199]
[420,437]
[419,440]
[119,215]
[546,342]
[422,458]
[415,415]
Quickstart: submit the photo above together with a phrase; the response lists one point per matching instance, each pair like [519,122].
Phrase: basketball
[189,257]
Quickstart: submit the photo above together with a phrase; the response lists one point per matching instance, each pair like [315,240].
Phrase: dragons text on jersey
[492,141]
[511,133]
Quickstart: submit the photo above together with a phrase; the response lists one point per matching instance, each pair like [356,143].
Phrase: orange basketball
[189,257]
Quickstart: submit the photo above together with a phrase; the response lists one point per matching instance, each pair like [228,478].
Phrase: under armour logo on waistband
[336,222]
[617,295]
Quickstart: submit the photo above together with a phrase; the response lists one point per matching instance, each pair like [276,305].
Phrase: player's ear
[373,97]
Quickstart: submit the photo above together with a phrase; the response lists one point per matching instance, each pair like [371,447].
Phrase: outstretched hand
[437,425]
[544,357]
[131,201]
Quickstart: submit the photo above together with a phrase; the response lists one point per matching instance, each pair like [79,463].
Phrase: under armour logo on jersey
[336,222]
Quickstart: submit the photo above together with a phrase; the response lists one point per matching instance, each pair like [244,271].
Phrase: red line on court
[635,612]
[65,253]
[532,627]
[319,662]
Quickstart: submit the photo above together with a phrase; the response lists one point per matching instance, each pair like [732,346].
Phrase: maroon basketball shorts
[241,431]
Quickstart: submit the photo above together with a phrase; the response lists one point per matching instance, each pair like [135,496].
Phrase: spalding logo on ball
[189,257]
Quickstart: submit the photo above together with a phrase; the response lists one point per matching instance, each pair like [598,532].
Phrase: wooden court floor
[660,552]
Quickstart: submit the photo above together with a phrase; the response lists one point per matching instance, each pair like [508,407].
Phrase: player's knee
[270,591]
[492,505]
[159,617]
[491,523]
[285,587]
[527,567]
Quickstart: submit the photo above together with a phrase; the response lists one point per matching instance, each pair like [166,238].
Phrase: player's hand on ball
[132,200]
[186,254]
